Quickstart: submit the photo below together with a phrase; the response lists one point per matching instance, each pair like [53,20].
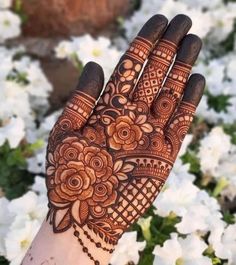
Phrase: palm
[105,170]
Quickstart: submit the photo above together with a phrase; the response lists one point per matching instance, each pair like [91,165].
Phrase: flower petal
[80,211]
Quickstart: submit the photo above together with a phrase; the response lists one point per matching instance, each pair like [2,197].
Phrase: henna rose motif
[84,178]
[126,132]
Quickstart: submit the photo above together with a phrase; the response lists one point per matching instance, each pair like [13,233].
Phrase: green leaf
[17,8]
[231,130]
[228,217]
[4,261]
[191,158]
[146,258]
[218,103]
[14,177]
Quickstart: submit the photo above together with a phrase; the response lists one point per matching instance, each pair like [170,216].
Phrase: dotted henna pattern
[102,177]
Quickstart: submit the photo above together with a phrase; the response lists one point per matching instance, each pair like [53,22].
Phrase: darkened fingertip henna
[189,49]
[177,28]
[168,99]
[194,90]
[153,28]
[91,80]
[80,105]
[181,120]
[161,59]
[126,73]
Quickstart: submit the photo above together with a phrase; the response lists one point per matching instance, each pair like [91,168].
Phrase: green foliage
[136,4]
[76,62]
[216,261]
[3,261]
[14,177]
[229,218]
[146,258]
[160,228]
[231,130]
[20,78]
[191,158]
[218,103]
[226,45]
[17,8]
[209,252]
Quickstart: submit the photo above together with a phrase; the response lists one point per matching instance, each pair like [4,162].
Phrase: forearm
[49,248]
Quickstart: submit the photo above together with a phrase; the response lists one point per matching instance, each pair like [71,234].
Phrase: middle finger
[161,59]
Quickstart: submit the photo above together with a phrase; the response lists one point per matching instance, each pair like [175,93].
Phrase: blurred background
[43,48]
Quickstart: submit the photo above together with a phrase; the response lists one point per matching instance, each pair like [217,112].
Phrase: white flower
[39,85]
[135,22]
[179,191]
[127,249]
[145,224]
[204,210]
[227,167]
[14,101]
[203,3]
[39,185]
[9,25]
[223,21]
[30,205]
[200,214]
[34,134]
[6,63]
[64,49]
[5,220]
[180,172]
[177,196]
[224,243]
[231,67]
[14,131]
[179,251]
[187,140]
[214,72]
[5,3]
[213,147]
[88,49]
[19,239]
[202,22]
[36,164]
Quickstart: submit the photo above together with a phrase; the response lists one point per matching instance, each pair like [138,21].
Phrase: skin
[62,238]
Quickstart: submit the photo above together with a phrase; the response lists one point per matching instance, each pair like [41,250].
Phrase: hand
[107,162]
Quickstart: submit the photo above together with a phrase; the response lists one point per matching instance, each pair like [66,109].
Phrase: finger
[83,99]
[130,65]
[166,102]
[161,59]
[183,117]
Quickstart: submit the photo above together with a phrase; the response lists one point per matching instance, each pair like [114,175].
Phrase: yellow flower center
[24,244]
[96,52]
[179,261]
[6,23]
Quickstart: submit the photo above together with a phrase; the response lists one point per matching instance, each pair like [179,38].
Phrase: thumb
[83,99]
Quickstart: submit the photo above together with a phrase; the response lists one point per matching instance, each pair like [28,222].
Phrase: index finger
[131,63]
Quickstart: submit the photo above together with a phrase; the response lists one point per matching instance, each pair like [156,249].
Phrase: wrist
[64,248]
[98,251]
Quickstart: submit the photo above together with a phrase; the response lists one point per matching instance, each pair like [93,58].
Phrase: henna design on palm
[107,162]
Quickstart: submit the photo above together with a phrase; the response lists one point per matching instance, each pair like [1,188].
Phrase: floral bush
[192,221]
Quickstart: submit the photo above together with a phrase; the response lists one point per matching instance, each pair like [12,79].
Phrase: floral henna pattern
[103,176]
[127,131]
[83,180]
